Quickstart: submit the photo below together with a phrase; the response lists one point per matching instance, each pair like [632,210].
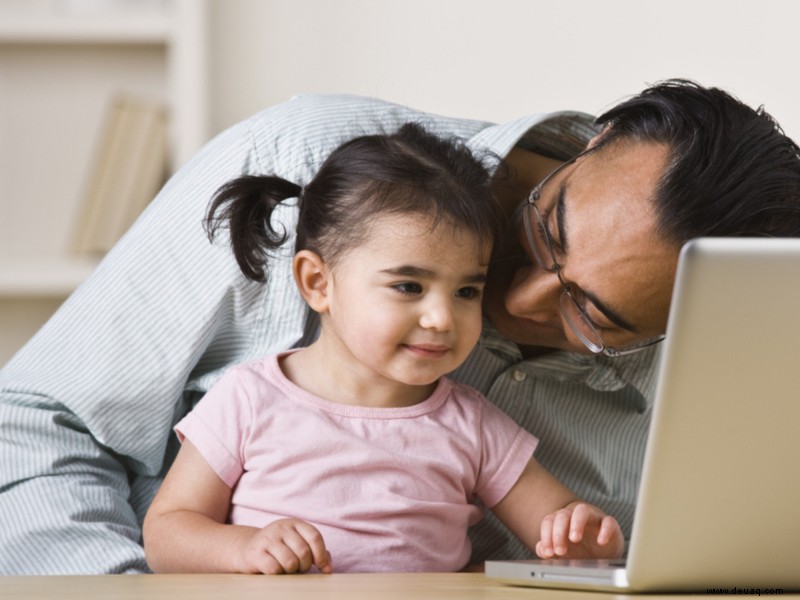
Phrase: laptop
[719,499]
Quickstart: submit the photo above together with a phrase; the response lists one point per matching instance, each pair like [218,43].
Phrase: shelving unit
[61,62]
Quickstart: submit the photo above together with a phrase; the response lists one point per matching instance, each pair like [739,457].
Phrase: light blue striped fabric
[87,407]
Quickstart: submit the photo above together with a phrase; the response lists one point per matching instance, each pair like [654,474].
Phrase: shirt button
[518,375]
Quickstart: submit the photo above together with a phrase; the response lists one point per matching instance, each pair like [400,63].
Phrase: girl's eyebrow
[408,271]
[561,224]
[422,273]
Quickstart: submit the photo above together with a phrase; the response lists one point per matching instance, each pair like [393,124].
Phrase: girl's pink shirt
[390,489]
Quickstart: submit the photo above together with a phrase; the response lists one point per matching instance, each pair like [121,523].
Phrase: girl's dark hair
[731,170]
[411,171]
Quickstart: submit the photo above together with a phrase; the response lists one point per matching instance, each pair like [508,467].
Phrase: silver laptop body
[719,499]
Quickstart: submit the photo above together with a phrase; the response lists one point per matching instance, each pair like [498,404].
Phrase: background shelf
[62,62]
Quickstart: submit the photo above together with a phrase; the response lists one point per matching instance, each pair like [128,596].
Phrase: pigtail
[245,205]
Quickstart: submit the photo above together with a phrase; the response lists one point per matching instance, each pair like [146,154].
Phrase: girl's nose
[437,314]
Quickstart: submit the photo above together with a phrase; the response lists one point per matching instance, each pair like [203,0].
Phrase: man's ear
[311,274]
[599,138]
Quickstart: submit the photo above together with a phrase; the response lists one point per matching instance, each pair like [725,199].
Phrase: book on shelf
[129,167]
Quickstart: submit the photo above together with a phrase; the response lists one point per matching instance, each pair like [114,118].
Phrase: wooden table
[404,586]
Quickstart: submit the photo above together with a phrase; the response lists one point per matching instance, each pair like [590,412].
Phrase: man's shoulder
[292,139]
[341,100]
[344,116]
[313,109]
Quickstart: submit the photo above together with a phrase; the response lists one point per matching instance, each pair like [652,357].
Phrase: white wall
[499,59]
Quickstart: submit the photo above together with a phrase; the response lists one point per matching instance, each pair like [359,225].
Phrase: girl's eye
[408,288]
[468,293]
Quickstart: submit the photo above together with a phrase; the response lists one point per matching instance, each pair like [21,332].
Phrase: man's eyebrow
[561,224]
[422,273]
[610,313]
[560,210]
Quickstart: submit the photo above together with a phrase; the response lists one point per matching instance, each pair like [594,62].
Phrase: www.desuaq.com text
[745,591]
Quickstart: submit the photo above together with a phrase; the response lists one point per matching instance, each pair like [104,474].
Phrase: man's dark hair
[731,170]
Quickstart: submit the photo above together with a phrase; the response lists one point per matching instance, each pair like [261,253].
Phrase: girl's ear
[311,274]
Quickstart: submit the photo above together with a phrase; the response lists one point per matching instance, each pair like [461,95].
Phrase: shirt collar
[558,135]
[598,372]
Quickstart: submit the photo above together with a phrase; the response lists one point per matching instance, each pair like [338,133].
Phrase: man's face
[599,215]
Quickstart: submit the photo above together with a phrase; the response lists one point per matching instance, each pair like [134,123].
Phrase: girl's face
[405,305]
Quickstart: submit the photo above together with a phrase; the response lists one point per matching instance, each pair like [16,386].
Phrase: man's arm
[87,405]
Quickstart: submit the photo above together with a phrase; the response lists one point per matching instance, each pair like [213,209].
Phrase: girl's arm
[185,529]
[550,520]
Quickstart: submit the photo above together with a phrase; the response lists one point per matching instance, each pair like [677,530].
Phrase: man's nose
[534,293]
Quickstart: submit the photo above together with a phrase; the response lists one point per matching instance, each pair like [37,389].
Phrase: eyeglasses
[576,317]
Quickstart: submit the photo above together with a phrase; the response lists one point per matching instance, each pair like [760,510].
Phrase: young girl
[356,451]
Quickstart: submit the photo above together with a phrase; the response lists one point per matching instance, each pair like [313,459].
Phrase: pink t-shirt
[390,489]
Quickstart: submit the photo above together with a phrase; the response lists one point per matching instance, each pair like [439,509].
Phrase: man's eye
[583,314]
[587,321]
[545,232]
[408,288]
[469,293]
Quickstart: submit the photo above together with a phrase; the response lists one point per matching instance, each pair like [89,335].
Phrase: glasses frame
[585,332]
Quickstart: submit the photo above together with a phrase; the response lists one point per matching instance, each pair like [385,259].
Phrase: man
[577,300]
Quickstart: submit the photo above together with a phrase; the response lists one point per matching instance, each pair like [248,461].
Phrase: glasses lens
[579,323]
[537,237]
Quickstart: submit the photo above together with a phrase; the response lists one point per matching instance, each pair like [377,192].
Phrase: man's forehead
[610,225]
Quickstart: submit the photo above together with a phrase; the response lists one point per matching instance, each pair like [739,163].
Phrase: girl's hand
[286,546]
[580,530]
